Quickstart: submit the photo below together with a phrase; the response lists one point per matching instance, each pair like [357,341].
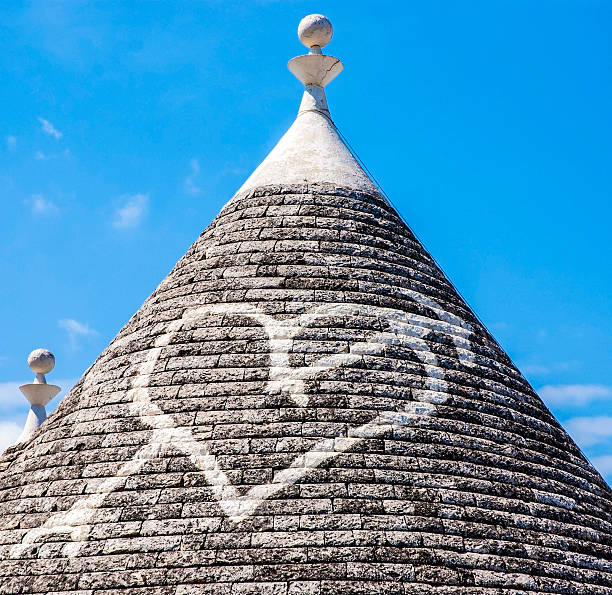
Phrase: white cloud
[234,170]
[41,156]
[131,213]
[574,394]
[9,432]
[10,395]
[49,129]
[11,142]
[603,464]
[536,369]
[76,330]
[76,327]
[190,181]
[41,206]
[587,431]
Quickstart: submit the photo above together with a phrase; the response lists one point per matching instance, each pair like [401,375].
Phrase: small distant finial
[38,393]
[315,31]
[315,69]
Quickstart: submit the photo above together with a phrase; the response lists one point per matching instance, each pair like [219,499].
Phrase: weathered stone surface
[305,406]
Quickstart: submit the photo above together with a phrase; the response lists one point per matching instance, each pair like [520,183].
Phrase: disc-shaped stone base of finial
[38,393]
[315,69]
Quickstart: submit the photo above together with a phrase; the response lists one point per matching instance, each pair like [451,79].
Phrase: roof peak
[312,151]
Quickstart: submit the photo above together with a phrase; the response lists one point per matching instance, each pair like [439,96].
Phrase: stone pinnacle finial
[38,393]
[315,69]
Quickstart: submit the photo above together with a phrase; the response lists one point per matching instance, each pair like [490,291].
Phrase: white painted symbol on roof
[401,328]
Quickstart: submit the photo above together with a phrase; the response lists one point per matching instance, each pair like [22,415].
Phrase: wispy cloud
[11,142]
[234,170]
[132,211]
[534,369]
[76,330]
[9,432]
[41,206]
[574,394]
[538,369]
[191,186]
[41,156]
[49,129]
[603,464]
[10,395]
[588,431]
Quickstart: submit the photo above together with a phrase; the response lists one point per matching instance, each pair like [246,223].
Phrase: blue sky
[126,126]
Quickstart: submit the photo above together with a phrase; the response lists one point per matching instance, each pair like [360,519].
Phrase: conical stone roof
[305,405]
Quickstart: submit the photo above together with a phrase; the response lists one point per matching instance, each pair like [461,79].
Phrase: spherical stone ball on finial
[41,361]
[315,30]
